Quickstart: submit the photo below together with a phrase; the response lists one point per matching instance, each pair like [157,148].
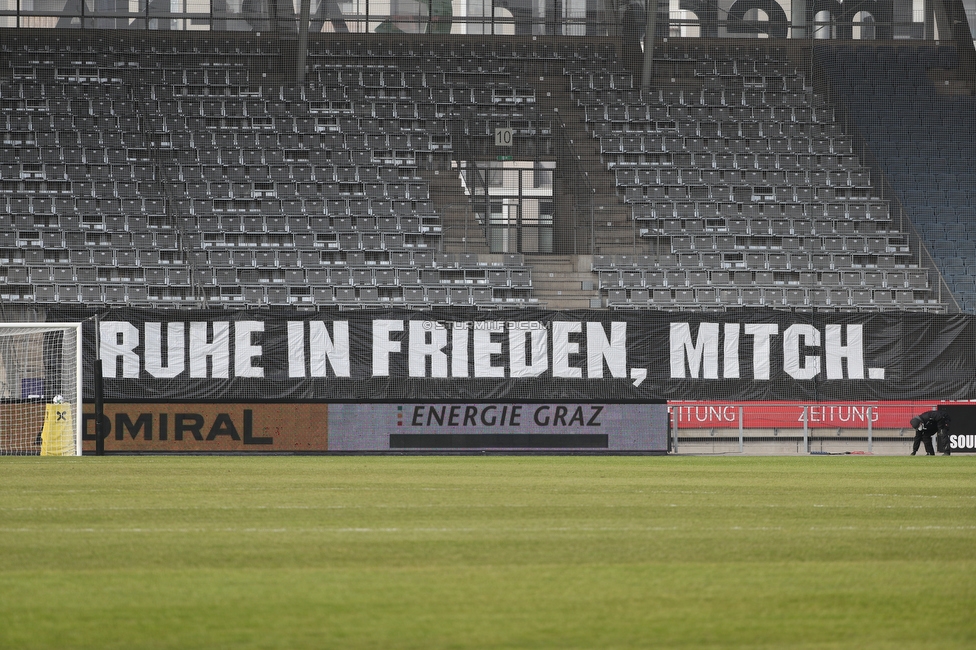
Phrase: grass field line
[464,529]
[919,496]
[359,529]
[460,507]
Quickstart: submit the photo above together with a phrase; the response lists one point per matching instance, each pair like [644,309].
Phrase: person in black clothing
[942,438]
[927,425]
[922,436]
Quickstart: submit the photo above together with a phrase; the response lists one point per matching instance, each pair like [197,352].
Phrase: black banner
[526,354]
[962,427]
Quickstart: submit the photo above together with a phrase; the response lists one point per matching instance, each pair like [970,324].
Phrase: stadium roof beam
[302,49]
[963,36]
[647,72]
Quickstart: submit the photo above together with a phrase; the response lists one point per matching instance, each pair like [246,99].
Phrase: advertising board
[962,427]
[552,426]
[793,415]
[205,427]
[405,427]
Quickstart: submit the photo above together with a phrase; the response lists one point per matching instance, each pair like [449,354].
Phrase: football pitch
[487,552]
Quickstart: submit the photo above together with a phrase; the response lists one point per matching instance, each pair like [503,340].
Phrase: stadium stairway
[615,231]
[563,281]
[566,280]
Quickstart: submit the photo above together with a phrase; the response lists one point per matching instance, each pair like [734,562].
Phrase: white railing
[800,423]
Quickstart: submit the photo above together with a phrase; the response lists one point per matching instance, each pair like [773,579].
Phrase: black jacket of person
[928,424]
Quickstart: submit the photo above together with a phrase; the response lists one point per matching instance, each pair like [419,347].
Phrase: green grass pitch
[488,552]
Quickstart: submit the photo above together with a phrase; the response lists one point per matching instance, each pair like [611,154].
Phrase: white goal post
[40,389]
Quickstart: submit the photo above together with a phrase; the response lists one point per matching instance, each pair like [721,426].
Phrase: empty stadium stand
[186,172]
[746,189]
[919,121]
[134,177]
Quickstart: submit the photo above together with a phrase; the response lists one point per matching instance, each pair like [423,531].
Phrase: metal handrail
[170,196]
[580,179]
[467,166]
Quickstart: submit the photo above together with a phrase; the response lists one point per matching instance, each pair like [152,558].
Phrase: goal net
[40,389]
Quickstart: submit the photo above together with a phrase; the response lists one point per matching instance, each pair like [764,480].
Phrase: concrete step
[563,281]
[566,303]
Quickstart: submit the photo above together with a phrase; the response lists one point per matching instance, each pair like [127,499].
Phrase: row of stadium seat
[605,121]
[733,212]
[206,48]
[85,264]
[778,260]
[672,139]
[634,278]
[255,295]
[706,297]
[759,194]
[902,55]
[742,228]
[694,175]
